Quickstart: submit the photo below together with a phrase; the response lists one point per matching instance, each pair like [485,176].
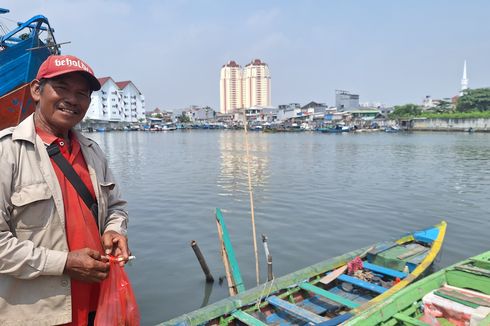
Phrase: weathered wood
[333,275]
[362,284]
[202,261]
[235,270]
[295,310]
[229,279]
[329,295]
[414,251]
[384,270]
[247,319]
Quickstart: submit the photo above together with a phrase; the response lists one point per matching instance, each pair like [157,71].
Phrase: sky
[390,52]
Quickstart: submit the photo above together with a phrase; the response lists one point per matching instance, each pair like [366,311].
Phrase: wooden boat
[329,292]
[457,295]
[334,129]
[22,50]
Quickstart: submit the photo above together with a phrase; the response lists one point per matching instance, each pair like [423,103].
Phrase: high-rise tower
[256,84]
[464,80]
[230,87]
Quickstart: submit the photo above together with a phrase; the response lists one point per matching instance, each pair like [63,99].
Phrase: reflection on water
[233,173]
[316,196]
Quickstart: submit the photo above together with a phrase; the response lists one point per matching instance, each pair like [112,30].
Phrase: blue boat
[22,50]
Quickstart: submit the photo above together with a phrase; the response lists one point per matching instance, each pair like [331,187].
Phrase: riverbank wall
[424,124]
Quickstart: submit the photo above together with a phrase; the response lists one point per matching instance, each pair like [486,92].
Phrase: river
[316,196]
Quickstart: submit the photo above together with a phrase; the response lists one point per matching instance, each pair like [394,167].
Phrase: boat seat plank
[384,270]
[247,319]
[295,310]
[409,320]
[362,284]
[337,320]
[329,295]
[412,252]
[382,247]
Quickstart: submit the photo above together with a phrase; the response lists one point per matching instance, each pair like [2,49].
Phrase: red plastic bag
[117,303]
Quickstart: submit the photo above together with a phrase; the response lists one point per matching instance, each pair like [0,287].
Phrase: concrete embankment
[423,124]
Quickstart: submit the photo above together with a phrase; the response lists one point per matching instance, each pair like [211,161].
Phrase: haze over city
[387,52]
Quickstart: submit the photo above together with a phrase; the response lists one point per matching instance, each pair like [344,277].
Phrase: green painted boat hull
[404,307]
[221,311]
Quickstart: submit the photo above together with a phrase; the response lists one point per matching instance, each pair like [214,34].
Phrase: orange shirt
[81,228]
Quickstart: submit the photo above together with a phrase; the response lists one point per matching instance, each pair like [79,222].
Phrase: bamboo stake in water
[202,261]
[231,284]
[251,199]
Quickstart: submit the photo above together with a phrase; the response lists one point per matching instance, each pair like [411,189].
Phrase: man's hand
[86,265]
[117,245]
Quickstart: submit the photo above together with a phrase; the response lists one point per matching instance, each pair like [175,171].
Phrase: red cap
[57,65]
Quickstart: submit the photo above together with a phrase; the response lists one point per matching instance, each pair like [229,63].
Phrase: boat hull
[300,285]
[16,106]
[406,305]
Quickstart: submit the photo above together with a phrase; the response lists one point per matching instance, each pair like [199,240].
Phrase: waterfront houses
[115,105]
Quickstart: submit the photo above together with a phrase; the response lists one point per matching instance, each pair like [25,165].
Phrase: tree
[405,111]
[477,99]
[183,118]
[443,107]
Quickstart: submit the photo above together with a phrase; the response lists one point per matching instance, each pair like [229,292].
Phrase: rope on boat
[262,297]
[251,199]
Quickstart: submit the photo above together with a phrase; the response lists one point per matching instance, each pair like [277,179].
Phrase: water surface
[316,196]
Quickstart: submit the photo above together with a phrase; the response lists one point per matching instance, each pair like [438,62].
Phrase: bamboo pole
[252,211]
[231,285]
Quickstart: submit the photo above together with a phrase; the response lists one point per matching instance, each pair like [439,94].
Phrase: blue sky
[393,52]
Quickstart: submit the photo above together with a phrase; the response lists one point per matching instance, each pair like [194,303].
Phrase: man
[53,246]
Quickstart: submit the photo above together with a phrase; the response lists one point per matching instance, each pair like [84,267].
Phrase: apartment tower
[230,87]
[256,84]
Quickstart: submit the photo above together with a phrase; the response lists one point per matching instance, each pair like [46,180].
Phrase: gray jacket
[33,245]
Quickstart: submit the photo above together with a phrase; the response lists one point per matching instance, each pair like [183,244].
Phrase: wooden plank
[384,270]
[413,252]
[362,284]
[235,270]
[409,320]
[247,319]
[229,278]
[333,275]
[337,320]
[295,310]
[329,295]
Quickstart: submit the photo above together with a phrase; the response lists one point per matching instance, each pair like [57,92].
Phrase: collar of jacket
[27,131]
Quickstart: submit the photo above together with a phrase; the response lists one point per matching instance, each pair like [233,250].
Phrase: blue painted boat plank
[358,296]
[427,236]
[295,310]
[337,320]
[318,305]
[384,270]
[283,319]
[329,295]
[362,284]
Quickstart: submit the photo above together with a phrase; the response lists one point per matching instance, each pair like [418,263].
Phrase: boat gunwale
[228,305]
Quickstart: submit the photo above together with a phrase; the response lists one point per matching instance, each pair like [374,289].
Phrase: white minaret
[464,80]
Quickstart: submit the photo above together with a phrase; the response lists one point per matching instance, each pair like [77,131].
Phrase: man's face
[62,102]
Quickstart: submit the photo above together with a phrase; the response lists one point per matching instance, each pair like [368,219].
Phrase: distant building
[200,114]
[288,111]
[133,102]
[313,110]
[231,96]
[345,101]
[256,84]
[116,102]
